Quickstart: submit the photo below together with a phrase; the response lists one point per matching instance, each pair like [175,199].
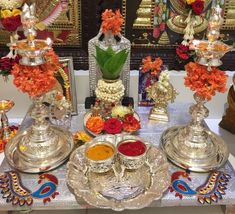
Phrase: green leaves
[110,63]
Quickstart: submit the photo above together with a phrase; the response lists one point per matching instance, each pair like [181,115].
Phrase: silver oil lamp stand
[194,146]
[41,147]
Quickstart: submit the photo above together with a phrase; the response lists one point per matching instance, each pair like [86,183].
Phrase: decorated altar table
[150,131]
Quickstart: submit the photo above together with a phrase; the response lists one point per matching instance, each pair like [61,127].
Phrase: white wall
[22,101]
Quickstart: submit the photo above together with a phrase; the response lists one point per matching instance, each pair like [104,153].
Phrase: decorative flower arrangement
[149,73]
[110,62]
[36,80]
[154,67]
[10,18]
[7,63]
[184,54]
[112,21]
[197,6]
[121,121]
[205,83]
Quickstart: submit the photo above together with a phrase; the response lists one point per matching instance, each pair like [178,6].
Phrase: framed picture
[66,80]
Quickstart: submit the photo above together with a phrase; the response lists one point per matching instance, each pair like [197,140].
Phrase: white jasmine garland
[110,92]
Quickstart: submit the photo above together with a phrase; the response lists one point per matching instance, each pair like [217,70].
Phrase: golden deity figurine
[161,92]
[144,14]
[96,110]
[228,120]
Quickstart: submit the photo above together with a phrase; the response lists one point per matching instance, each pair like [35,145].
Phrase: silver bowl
[100,166]
[132,162]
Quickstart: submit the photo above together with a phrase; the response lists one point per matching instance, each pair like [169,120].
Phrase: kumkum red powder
[132,148]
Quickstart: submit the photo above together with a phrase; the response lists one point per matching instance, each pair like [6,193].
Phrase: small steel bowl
[100,166]
[132,162]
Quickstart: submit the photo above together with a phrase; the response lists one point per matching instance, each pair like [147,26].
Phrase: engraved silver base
[41,147]
[184,151]
[35,155]
[193,146]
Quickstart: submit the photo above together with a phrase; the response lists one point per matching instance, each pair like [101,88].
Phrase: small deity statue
[228,120]
[96,110]
[161,92]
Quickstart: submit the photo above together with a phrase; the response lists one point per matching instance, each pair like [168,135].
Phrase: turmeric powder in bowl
[99,152]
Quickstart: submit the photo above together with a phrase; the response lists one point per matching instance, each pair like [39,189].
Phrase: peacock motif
[17,194]
[211,191]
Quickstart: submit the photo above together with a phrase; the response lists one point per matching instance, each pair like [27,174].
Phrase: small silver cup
[100,166]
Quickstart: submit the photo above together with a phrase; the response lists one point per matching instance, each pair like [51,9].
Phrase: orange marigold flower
[205,83]
[151,66]
[147,64]
[112,21]
[36,80]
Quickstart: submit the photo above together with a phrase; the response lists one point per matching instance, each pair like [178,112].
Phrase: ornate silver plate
[181,152]
[42,158]
[88,115]
[122,189]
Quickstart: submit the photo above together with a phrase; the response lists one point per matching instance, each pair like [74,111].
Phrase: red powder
[135,148]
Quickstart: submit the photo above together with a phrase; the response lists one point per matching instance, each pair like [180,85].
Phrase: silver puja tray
[128,189]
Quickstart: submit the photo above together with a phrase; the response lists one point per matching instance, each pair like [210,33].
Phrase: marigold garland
[112,21]
[205,83]
[154,67]
[36,80]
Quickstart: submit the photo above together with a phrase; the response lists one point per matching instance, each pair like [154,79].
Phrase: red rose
[198,7]
[113,126]
[182,52]
[17,59]
[131,124]
[6,64]
[184,48]
[11,23]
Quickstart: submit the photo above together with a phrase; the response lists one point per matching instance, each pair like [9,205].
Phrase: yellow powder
[99,152]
